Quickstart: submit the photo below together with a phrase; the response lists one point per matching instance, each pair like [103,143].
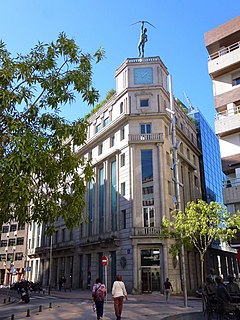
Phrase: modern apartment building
[130,144]
[220,256]
[223,46]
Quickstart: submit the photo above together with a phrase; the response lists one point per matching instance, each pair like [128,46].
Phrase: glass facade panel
[90,208]
[114,196]
[147,178]
[101,200]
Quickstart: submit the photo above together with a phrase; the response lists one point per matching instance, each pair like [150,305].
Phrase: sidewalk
[78,305]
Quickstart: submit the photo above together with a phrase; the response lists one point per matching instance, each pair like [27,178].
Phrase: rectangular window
[168,158]
[100,149]
[112,141]
[124,219]
[145,128]
[12,242]
[236,81]
[121,107]
[2,257]
[21,227]
[13,227]
[122,133]
[18,256]
[123,188]
[106,121]
[20,241]
[98,127]
[144,103]
[148,217]
[5,229]
[122,160]
[3,243]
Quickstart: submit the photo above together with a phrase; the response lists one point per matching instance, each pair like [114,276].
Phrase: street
[78,305]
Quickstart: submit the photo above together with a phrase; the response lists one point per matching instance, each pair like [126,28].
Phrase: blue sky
[178,38]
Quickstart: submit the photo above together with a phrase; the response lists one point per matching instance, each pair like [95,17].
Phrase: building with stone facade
[129,142]
[13,252]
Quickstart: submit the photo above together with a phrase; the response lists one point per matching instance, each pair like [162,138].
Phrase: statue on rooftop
[143,38]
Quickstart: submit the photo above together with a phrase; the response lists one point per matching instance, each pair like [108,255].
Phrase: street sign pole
[105,263]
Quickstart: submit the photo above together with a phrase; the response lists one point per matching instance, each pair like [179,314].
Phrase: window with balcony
[145,128]
[148,217]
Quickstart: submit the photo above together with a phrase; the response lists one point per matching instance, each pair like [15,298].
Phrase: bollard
[9,299]
[28,313]
[50,305]
[40,309]
[4,300]
[12,317]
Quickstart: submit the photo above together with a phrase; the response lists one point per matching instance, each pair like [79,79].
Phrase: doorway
[150,280]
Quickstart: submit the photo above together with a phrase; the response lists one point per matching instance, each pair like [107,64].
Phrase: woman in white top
[118,293]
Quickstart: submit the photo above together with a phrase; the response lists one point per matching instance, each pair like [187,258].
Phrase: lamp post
[176,145]
[50,266]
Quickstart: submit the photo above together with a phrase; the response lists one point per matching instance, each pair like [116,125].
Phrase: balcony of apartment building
[228,121]
[231,191]
[146,232]
[145,138]
[226,59]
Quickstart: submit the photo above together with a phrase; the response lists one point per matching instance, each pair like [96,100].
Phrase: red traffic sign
[104,260]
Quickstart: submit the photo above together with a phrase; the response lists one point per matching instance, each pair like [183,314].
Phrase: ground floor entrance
[150,270]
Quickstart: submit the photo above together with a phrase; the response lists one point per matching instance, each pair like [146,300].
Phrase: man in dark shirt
[167,288]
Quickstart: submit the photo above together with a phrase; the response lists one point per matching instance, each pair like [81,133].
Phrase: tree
[199,225]
[41,178]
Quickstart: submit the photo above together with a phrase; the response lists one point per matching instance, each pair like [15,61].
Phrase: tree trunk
[202,266]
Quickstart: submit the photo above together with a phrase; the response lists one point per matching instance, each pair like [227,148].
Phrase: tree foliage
[199,225]
[41,178]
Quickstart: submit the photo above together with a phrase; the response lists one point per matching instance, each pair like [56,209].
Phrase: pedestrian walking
[118,293]
[98,295]
[167,289]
